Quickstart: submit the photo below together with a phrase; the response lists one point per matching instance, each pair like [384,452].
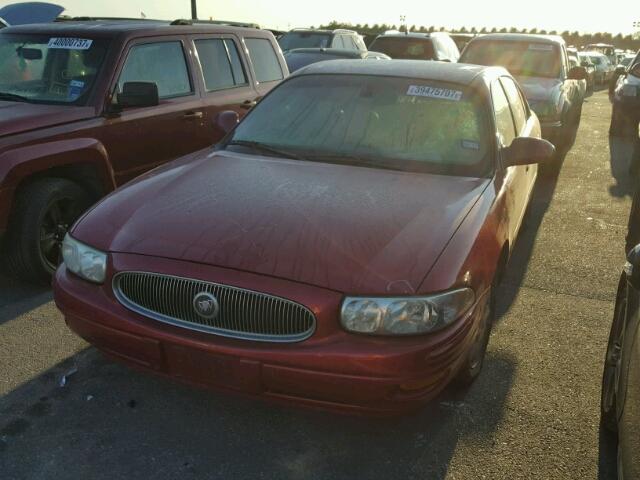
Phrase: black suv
[307,38]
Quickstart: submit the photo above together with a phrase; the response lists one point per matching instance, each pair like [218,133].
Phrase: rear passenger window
[162,63]
[518,107]
[221,66]
[264,59]
[504,120]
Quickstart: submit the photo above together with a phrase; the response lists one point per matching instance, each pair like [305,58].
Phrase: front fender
[23,162]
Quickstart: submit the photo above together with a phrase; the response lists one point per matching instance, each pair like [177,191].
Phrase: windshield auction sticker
[68,43]
[433,92]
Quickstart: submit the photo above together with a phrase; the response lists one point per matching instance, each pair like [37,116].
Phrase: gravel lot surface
[534,412]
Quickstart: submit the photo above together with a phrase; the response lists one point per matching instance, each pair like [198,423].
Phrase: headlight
[84,261]
[405,315]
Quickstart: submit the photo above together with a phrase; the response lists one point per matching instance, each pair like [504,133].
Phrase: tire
[472,365]
[608,410]
[43,212]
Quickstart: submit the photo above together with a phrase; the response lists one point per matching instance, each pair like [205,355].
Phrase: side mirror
[226,121]
[632,267]
[584,64]
[528,150]
[577,73]
[621,70]
[138,94]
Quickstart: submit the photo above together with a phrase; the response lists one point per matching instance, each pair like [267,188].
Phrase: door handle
[249,104]
[193,115]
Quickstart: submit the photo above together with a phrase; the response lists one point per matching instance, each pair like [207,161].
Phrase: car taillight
[635,70]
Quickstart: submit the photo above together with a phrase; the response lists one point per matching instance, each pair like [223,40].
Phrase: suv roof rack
[183,21]
[337,30]
[65,18]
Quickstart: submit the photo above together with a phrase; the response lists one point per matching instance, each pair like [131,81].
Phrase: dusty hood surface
[345,228]
[17,117]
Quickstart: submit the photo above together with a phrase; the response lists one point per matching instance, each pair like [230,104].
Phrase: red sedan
[340,248]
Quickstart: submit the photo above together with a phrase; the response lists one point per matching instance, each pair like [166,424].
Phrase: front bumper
[332,370]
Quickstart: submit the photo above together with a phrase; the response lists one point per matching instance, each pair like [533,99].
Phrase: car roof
[460,73]
[521,37]
[338,52]
[411,35]
[124,27]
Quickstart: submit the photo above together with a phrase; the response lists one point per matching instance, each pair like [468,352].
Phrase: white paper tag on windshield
[68,43]
[433,92]
[541,47]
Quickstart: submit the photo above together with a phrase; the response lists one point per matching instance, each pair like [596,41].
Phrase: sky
[284,14]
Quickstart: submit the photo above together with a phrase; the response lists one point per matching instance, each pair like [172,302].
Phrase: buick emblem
[206,305]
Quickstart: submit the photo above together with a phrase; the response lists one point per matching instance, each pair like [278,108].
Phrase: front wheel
[472,365]
[43,212]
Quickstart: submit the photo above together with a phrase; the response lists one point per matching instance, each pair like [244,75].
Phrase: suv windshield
[528,59]
[47,69]
[292,40]
[382,122]
[404,48]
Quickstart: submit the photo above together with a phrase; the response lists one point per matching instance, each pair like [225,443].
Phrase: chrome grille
[242,313]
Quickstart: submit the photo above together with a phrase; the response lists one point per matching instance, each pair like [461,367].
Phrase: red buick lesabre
[340,248]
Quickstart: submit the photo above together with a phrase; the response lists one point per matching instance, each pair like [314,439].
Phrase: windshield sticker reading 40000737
[432,92]
[68,43]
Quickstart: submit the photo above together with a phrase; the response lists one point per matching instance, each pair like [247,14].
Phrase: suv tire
[43,212]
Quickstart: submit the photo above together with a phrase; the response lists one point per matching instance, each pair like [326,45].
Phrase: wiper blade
[264,147]
[13,97]
[355,160]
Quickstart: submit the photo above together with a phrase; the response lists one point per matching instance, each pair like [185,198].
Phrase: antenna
[194,10]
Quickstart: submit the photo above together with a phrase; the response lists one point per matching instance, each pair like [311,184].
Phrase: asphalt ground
[533,413]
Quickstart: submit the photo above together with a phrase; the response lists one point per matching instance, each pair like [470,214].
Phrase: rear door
[226,81]
[138,139]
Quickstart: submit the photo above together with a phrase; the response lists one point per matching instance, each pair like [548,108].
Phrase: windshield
[45,69]
[384,122]
[528,59]
[292,40]
[404,48]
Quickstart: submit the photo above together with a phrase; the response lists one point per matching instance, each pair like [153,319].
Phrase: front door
[139,139]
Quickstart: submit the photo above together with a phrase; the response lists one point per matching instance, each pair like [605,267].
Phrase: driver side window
[504,120]
[162,63]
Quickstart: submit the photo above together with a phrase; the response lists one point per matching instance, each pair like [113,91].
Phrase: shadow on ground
[112,422]
[17,298]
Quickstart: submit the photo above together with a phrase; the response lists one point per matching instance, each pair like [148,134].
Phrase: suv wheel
[42,214]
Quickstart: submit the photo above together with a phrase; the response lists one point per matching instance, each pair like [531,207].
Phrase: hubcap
[56,221]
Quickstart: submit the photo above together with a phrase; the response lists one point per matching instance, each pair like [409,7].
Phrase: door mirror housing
[632,267]
[527,151]
[29,53]
[138,94]
[578,73]
[226,121]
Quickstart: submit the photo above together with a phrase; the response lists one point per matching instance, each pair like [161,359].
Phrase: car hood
[17,117]
[30,12]
[345,228]
[539,89]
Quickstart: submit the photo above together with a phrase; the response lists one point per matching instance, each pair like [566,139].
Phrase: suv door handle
[193,115]
[249,104]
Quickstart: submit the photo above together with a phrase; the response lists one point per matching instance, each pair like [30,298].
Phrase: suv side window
[163,63]
[504,120]
[518,108]
[338,42]
[360,45]
[350,42]
[220,62]
[264,59]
